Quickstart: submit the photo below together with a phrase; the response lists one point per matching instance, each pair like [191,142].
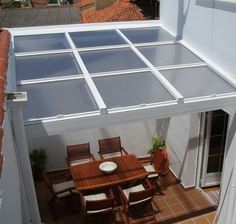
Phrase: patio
[175,205]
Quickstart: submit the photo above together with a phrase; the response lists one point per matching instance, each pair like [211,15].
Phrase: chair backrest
[142,196]
[103,205]
[79,151]
[39,3]
[109,145]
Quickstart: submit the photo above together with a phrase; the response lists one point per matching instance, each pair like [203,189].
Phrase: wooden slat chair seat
[78,154]
[64,189]
[151,171]
[110,147]
[60,187]
[149,166]
[132,190]
[153,175]
[98,206]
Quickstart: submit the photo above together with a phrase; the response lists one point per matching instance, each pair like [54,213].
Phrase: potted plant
[37,159]
[159,155]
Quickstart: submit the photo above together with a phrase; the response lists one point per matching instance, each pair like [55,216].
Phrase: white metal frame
[215,101]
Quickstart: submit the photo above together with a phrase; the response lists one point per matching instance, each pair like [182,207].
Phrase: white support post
[15,104]
[227,203]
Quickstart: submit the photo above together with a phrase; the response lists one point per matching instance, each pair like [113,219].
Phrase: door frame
[201,149]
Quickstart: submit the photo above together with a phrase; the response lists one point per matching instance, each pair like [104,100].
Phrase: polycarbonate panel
[96,38]
[46,66]
[169,54]
[197,82]
[56,98]
[131,89]
[143,35]
[111,60]
[42,42]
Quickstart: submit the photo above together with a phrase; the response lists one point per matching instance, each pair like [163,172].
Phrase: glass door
[214,147]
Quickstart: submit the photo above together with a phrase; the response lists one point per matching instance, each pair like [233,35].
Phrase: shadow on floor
[175,204]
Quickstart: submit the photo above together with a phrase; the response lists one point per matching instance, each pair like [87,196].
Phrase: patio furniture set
[100,190]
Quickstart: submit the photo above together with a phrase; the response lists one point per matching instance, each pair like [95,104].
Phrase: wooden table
[88,176]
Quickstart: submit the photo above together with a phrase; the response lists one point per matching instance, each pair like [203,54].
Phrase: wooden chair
[39,3]
[153,175]
[137,202]
[149,166]
[98,208]
[110,147]
[77,154]
[60,186]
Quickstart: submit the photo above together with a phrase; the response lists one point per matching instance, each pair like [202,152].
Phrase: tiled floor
[203,219]
[174,205]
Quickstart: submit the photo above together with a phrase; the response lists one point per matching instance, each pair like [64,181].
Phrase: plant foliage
[38,158]
[158,142]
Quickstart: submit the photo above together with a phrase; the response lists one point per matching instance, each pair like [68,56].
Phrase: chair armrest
[111,194]
[67,161]
[123,197]
[66,190]
[92,157]
[59,177]
[147,183]
[100,155]
[124,151]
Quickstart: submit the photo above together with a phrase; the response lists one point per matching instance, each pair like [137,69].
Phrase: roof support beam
[93,89]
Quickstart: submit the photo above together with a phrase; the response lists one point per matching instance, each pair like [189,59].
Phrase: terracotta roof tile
[4,52]
[122,10]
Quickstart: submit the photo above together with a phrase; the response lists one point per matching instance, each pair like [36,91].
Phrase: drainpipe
[15,103]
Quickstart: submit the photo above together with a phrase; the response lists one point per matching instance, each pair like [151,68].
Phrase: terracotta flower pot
[161,161]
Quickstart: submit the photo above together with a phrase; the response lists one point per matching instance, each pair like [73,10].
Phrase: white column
[22,154]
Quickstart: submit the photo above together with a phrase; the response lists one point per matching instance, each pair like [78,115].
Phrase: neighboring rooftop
[81,11]
[122,10]
[45,16]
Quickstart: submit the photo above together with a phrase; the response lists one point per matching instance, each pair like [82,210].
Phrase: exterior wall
[135,137]
[10,208]
[181,134]
[182,137]
[207,25]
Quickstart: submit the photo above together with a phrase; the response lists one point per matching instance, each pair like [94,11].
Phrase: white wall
[10,209]
[135,138]
[182,136]
[208,25]
[181,133]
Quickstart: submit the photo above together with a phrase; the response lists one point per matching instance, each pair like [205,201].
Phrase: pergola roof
[90,75]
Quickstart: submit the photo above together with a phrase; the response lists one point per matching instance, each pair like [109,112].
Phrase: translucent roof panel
[143,35]
[96,38]
[43,42]
[169,54]
[197,82]
[111,60]
[131,89]
[45,66]
[56,98]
